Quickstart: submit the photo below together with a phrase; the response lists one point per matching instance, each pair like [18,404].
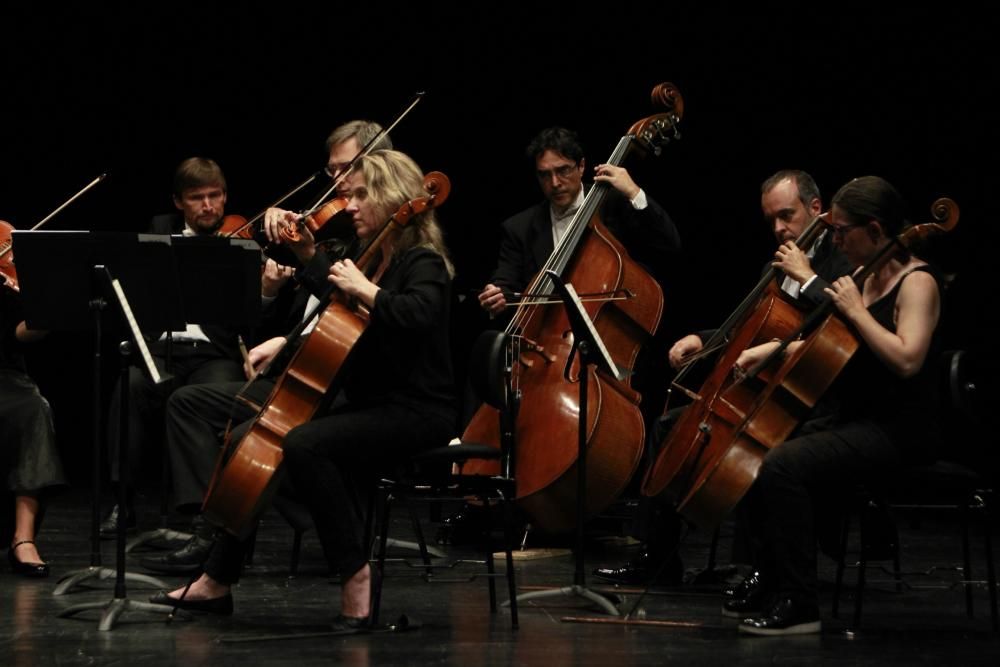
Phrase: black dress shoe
[350,625]
[784,617]
[222,606]
[745,598]
[109,524]
[186,560]
[641,570]
[32,570]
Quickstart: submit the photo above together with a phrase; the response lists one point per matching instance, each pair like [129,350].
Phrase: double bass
[547,416]
[242,488]
[715,451]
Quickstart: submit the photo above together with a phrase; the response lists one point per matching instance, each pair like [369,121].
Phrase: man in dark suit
[197,354]
[530,236]
[789,201]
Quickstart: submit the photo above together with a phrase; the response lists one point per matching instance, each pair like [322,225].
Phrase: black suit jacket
[526,244]
[829,264]
[222,337]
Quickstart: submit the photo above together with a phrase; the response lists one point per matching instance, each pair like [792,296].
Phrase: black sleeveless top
[908,410]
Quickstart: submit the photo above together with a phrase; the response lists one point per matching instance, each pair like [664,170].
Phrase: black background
[840,91]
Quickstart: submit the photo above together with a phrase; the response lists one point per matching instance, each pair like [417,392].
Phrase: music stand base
[412,546]
[115,607]
[101,573]
[573,591]
[165,534]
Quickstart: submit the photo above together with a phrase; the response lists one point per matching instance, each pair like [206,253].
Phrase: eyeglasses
[839,230]
[333,170]
[562,173]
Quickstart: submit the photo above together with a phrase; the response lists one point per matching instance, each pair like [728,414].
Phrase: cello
[758,410]
[763,315]
[242,488]
[547,417]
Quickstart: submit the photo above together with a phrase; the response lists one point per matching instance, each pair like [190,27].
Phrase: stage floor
[924,624]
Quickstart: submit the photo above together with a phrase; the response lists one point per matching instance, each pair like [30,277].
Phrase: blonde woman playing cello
[397,395]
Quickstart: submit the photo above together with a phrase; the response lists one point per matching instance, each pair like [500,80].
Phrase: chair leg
[251,547]
[490,565]
[383,532]
[991,575]
[421,542]
[860,592]
[710,565]
[963,517]
[508,538]
[293,567]
[839,581]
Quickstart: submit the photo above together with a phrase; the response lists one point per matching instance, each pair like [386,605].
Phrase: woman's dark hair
[872,198]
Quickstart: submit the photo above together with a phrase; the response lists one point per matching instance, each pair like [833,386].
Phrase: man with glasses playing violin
[197,354]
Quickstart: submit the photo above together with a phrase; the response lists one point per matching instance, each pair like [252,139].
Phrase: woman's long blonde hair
[393,178]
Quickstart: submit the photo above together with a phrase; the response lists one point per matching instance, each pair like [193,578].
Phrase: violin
[7,269]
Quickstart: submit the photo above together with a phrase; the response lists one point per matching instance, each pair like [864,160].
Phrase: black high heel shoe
[32,570]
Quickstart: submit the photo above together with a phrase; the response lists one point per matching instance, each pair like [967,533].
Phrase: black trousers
[797,481]
[190,364]
[330,462]
[196,418]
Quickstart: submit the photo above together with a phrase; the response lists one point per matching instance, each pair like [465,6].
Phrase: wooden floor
[924,624]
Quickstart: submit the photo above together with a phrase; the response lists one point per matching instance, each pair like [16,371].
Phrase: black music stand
[588,344]
[232,267]
[80,271]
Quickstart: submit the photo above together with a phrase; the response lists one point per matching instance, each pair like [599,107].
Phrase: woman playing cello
[885,417]
[396,397]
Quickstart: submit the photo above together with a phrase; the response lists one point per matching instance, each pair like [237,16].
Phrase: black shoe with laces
[109,524]
[186,560]
[784,617]
[642,568]
[745,598]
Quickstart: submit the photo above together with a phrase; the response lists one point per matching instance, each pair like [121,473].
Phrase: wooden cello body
[547,418]
[243,487]
[711,456]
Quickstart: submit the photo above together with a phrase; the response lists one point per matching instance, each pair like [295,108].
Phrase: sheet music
[147,359]
[609,364]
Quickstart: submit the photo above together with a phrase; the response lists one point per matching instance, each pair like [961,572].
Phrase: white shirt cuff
[639,201]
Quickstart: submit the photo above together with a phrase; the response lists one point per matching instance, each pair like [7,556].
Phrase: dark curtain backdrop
[841,91]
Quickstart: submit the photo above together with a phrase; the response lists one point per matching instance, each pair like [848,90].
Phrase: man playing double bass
[529,237]
[789,200]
